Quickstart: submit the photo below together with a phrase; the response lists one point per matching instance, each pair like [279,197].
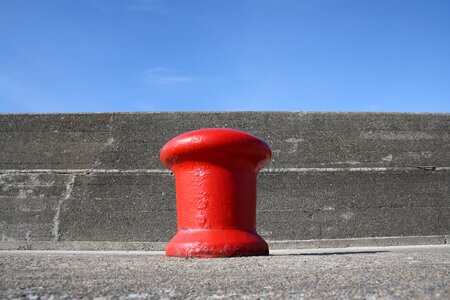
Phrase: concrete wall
[97,177]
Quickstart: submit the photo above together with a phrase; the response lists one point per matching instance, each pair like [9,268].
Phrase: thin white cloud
[17,95]
[157,6]
[164,76]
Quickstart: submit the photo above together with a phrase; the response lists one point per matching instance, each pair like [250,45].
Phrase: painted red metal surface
[215,175]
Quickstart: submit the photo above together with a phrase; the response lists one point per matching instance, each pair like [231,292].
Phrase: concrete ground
[384,272]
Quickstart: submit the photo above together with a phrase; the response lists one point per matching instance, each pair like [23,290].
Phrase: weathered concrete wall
[97,177]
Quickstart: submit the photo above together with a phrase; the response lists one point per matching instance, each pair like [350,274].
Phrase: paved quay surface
[357,273]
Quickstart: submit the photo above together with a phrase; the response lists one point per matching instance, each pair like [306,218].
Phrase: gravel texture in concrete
[356,273]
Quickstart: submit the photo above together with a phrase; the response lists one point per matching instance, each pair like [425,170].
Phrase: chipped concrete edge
[274,245]
[82,245]
[263,171]
[361,242]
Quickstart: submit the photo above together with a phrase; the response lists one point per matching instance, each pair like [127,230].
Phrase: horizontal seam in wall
[356,169]
[347,209]
[264,171]
[86,171]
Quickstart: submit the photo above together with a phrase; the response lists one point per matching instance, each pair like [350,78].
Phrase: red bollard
[215,174]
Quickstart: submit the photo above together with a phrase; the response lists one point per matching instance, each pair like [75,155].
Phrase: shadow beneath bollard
[327,253]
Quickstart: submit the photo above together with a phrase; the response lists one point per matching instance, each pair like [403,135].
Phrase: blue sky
[158,55]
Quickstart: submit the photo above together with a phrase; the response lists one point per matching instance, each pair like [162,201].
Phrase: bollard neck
[223,146]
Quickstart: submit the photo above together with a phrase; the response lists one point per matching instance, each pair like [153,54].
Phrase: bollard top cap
[216,145]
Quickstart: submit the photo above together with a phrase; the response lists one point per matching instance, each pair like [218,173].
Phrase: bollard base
[208,243]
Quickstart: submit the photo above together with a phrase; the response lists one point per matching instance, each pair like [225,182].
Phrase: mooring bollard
[215,176]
